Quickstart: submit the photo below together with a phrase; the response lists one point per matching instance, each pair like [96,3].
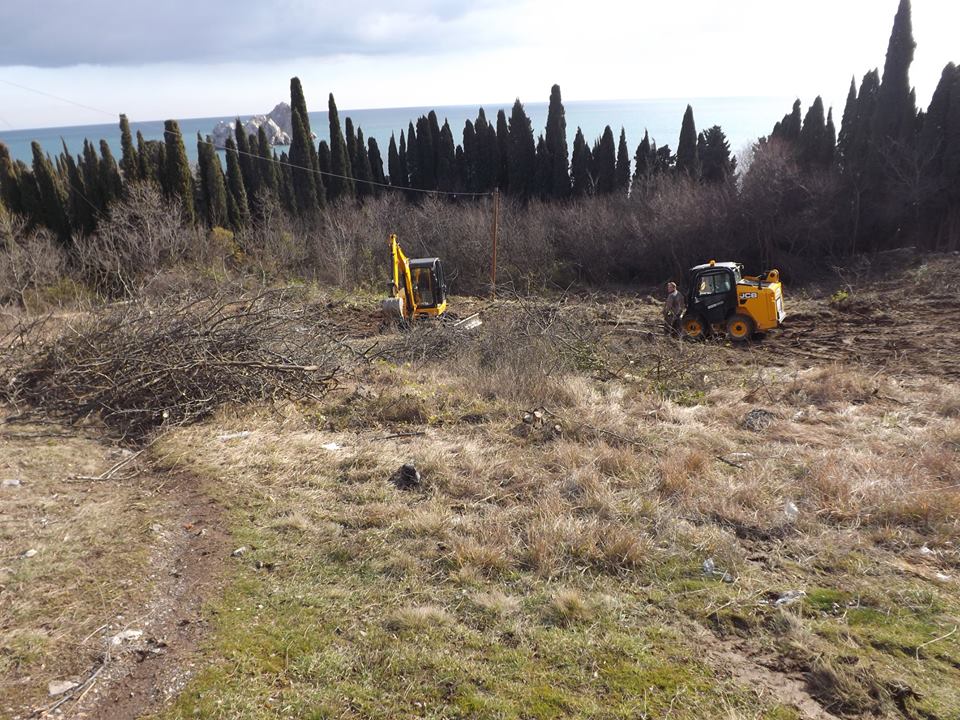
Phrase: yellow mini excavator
[720,298]
[417,288]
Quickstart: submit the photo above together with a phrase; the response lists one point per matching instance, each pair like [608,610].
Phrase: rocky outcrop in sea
[277,124]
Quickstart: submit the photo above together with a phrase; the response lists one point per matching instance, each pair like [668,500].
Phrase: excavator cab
[720,298]
[417,288]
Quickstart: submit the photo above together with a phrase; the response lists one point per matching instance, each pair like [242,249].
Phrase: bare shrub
[144,233]
[29,260]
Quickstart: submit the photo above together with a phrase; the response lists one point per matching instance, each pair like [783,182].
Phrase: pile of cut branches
[137,368]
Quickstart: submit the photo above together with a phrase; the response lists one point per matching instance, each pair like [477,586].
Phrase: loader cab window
[423,286]
[715,284]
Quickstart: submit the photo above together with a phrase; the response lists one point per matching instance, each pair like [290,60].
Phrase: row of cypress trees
[69,194]
[898,167]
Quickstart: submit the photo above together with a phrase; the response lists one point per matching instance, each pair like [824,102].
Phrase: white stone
[126,635]
[59,687]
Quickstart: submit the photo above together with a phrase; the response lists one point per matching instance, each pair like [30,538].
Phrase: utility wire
[260,157]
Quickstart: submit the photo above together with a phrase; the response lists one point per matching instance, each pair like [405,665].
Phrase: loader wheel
[740,328]
[694,328]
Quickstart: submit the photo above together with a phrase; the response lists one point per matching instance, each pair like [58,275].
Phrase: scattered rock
[407,477]
[29,553]
[332,446]
[242,550]
[126,635]
[710,570]
[11,482]
[233,435]
[758,419]
[59,687]
[790,511]
[942,577]
[790,597]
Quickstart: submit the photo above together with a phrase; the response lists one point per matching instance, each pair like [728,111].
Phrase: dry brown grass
[832,387]
[93,544]
[421,618]
[570,607]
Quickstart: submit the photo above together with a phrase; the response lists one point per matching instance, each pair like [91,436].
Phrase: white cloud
[237,58]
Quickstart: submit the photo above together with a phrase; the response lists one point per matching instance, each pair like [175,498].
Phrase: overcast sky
[201,58]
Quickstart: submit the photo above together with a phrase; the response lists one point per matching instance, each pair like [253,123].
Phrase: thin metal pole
[496,225]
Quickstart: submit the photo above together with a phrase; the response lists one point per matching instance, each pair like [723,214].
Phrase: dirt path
[143,672]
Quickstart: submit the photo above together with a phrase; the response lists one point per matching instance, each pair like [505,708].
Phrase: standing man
[673,309]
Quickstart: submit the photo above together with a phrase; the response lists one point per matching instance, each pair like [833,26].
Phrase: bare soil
[146,673]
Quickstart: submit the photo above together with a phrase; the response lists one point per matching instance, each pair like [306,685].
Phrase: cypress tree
[580,166]
[404,179]
[471,171]
[847,123]
[393,162]
[503,152]
[285,184]
[688,161]
[212,188]
[178,181]
[933,134]
[324,158]
[361,167]
[376,163]
[866,109]
[129,162]
[812,136]
[522,154]
[643,161]
[80,211]
[896,109]
[425,177]
[92,177]
[246,157]
[110,183]
[434,126]
[787,129]
[351,139]
[238,208]
[718,165]
[304,182]
[543,170]
[148,168]
[266,167]
[299,103]
[446,160]
[11,192]
[605,163]
[623,165]
[341,183]
[461,162]
[939,148]
[828,150]
[556,146]
[664,161]
[488,154]
[52,196]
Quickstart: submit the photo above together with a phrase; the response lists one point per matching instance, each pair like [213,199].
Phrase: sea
[743,119]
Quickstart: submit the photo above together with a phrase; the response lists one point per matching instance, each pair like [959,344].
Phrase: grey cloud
[58,33]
